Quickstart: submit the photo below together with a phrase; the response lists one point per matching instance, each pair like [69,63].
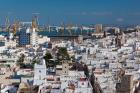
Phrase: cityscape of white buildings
[113,62]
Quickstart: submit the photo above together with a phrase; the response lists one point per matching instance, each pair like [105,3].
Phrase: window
[39,71]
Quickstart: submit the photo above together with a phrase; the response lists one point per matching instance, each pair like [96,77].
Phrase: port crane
[7,24]
[16,26]
[35,22]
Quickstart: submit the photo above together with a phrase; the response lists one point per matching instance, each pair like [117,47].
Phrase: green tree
[20,61]
[34,62]
[86,70]
[62,54]
[47,58]
[104,34]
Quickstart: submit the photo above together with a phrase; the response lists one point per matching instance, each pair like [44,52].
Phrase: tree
[86,70]
[62,54]
[20,60]
[34,62]
[80,67]
[104,34]
[47,58]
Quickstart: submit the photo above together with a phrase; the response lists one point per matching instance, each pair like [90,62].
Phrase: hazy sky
[73,11]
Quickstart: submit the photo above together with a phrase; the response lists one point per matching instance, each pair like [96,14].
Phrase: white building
[10,43]
[74,82]
[39,73]
[43,39]
[34,37]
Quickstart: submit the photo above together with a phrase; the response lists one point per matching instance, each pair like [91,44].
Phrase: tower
[126,84]
[99,28]
[39,73]
[123,40]
[34,29]
[118,41]
[34,37]
[65,68]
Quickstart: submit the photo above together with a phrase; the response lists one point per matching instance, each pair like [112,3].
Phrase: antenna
[16,26]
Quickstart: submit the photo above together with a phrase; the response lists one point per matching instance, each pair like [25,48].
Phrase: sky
[72,11]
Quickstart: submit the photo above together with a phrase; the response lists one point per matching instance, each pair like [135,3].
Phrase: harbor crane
[7,24]
[35,22]
[16,26]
